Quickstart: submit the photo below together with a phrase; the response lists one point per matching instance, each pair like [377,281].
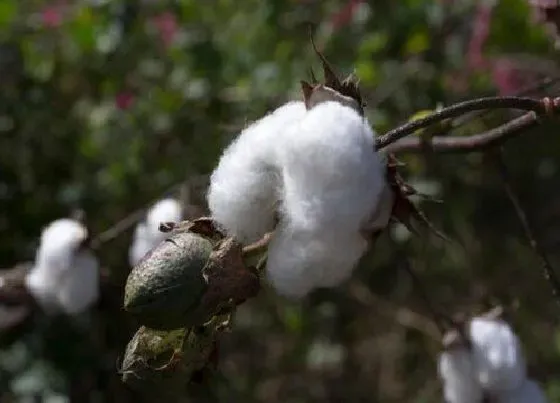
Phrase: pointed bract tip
[331,80]
[313,77]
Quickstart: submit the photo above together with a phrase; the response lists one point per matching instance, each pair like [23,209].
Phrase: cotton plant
[309,173]
[65,275]
[147,234]
[485,360]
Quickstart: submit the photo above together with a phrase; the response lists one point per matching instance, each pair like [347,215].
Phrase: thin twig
[127,222]
[530,89]
[401,314]
[441,320]
[465,144]
[528,228]
[527,104]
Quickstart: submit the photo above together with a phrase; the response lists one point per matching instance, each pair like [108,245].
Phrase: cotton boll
[332,176]
[165,210]
[497,354]
[287,266]
[59,240]
[244,187]
[300,260]
[528,392]
[147,234]
[80,286]
[42,283]
[141,244]
[457,372]
[61,278]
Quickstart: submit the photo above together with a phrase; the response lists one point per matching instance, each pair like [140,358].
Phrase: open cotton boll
[456,370]
[163,211]
[59,270]
[42,282]
[286,266]
[80,286]
[299,260]
[332,176]
[244,187]
[497,354]
[147,234]
[59,241]
[528,392]
[141,244]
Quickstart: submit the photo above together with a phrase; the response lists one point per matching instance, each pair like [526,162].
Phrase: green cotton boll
[162,363]
[167,284]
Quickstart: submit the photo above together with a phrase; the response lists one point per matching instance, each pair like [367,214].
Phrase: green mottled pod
[160,364]
[168,283]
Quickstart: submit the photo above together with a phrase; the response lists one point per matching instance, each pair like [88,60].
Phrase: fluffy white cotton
[245,187]
[318,170]
[528,392]
[147,234]
[300,261]
[64,278]
[332,187]
[80,287]
[457,372]
[59,241]
[497,354]
[332,176]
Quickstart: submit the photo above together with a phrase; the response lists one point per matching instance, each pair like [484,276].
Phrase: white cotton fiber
[147,234]
[59,240]
[332,186]
[300,261]
[64,278]
[332,176]
[80,287]
[497,354]
[245,186]
[456,370]
[141,244]
[528,392]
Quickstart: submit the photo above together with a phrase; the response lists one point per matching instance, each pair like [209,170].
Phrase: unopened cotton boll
[333,178]
[497,354]
[245,186]
[457,372]
[147,234]
[528,392]
[299,260]
[65,277]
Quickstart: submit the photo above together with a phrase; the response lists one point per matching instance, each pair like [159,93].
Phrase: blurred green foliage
[105,104]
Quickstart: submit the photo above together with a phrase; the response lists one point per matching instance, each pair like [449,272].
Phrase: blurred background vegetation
[104,105]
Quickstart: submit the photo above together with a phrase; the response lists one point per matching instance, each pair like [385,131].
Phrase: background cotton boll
[147,234]
[497,354]
[331,174]
[141,244]
[528,392]
[163,211]
[80,285]
[59,240]
[42,283]
[244,187]
[456,370]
